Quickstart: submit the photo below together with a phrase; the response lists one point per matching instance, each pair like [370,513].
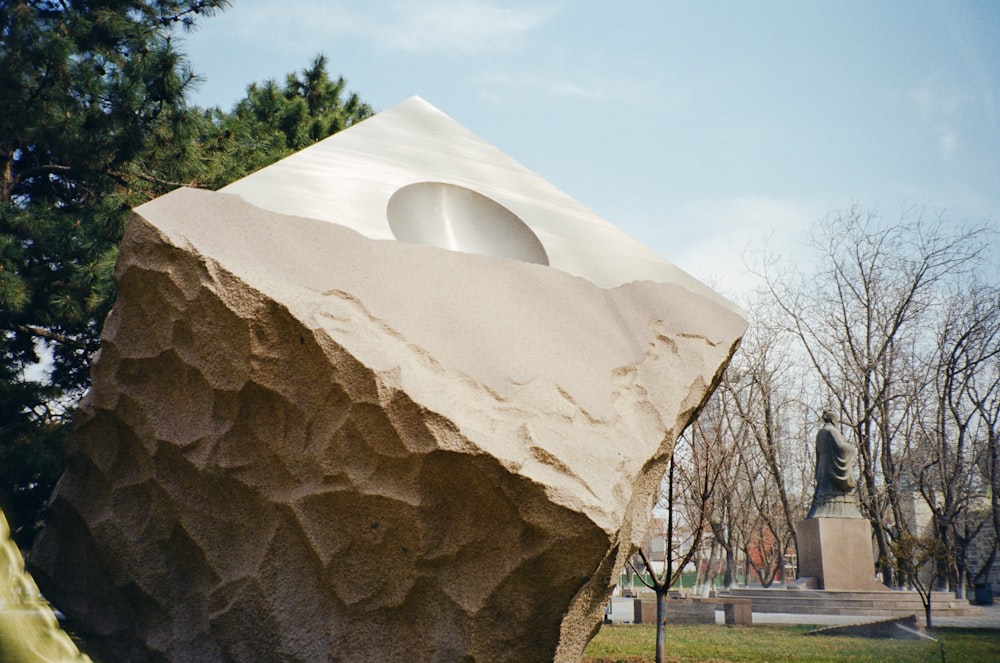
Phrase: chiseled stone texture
[306,445]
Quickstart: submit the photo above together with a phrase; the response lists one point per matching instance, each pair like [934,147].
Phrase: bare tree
[916,557]
[856,315]
[984,392]
[956,437]
[762,387]
[701,459]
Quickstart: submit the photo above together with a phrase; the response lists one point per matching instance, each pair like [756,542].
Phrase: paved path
[989,619]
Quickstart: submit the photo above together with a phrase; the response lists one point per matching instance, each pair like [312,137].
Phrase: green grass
[721,644]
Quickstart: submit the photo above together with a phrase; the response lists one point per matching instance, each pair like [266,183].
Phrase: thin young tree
[692,484]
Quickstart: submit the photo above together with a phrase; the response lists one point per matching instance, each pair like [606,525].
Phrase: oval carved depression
[453,217]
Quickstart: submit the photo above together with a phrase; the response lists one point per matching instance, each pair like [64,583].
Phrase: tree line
[95,119]
[895,326]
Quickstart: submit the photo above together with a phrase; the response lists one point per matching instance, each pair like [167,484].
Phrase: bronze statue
[834,496]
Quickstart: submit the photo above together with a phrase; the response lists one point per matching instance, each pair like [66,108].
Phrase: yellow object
[29,631]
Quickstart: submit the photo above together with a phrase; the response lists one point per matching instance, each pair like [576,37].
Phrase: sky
[702,129]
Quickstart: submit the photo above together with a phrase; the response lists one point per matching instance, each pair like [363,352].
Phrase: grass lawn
[722,644]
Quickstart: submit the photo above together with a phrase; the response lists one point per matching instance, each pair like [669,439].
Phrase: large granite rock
[303,444]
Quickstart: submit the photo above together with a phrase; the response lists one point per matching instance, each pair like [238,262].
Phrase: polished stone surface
[459,219]
[350,178]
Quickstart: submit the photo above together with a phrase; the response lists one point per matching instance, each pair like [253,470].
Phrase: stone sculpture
[834,496]
[307,441]
[835,541]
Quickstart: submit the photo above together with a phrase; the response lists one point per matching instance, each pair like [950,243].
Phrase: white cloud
[408,26]
[561,84]
[948,141]
[936,100]
[721,236]
[989,103]
[455,26]
[923,97]
[498,85]
[941,106]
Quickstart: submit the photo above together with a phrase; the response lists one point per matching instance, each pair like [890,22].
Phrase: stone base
[805,582]
[879,604]
[737,611]
[837,552]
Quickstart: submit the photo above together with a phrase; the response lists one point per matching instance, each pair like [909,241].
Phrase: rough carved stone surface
[309,445]
[303,444]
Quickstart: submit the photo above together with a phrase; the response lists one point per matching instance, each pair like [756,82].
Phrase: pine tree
[272,122]
[93,122]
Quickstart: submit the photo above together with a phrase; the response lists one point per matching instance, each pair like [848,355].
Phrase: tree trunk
[781,561]
[730,576]
[884,558]
[661,622]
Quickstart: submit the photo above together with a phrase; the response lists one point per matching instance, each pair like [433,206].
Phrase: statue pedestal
[837,553]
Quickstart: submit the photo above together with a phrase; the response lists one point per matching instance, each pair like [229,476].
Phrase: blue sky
[698,128]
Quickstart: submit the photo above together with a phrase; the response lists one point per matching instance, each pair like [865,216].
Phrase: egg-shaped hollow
[453,217]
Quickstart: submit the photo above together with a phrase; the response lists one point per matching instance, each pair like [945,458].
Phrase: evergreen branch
[47,169]
[185,15]
[154,180]
[47,334]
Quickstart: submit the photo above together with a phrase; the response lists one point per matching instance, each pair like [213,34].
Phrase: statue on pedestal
[835,541]
[834,496]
